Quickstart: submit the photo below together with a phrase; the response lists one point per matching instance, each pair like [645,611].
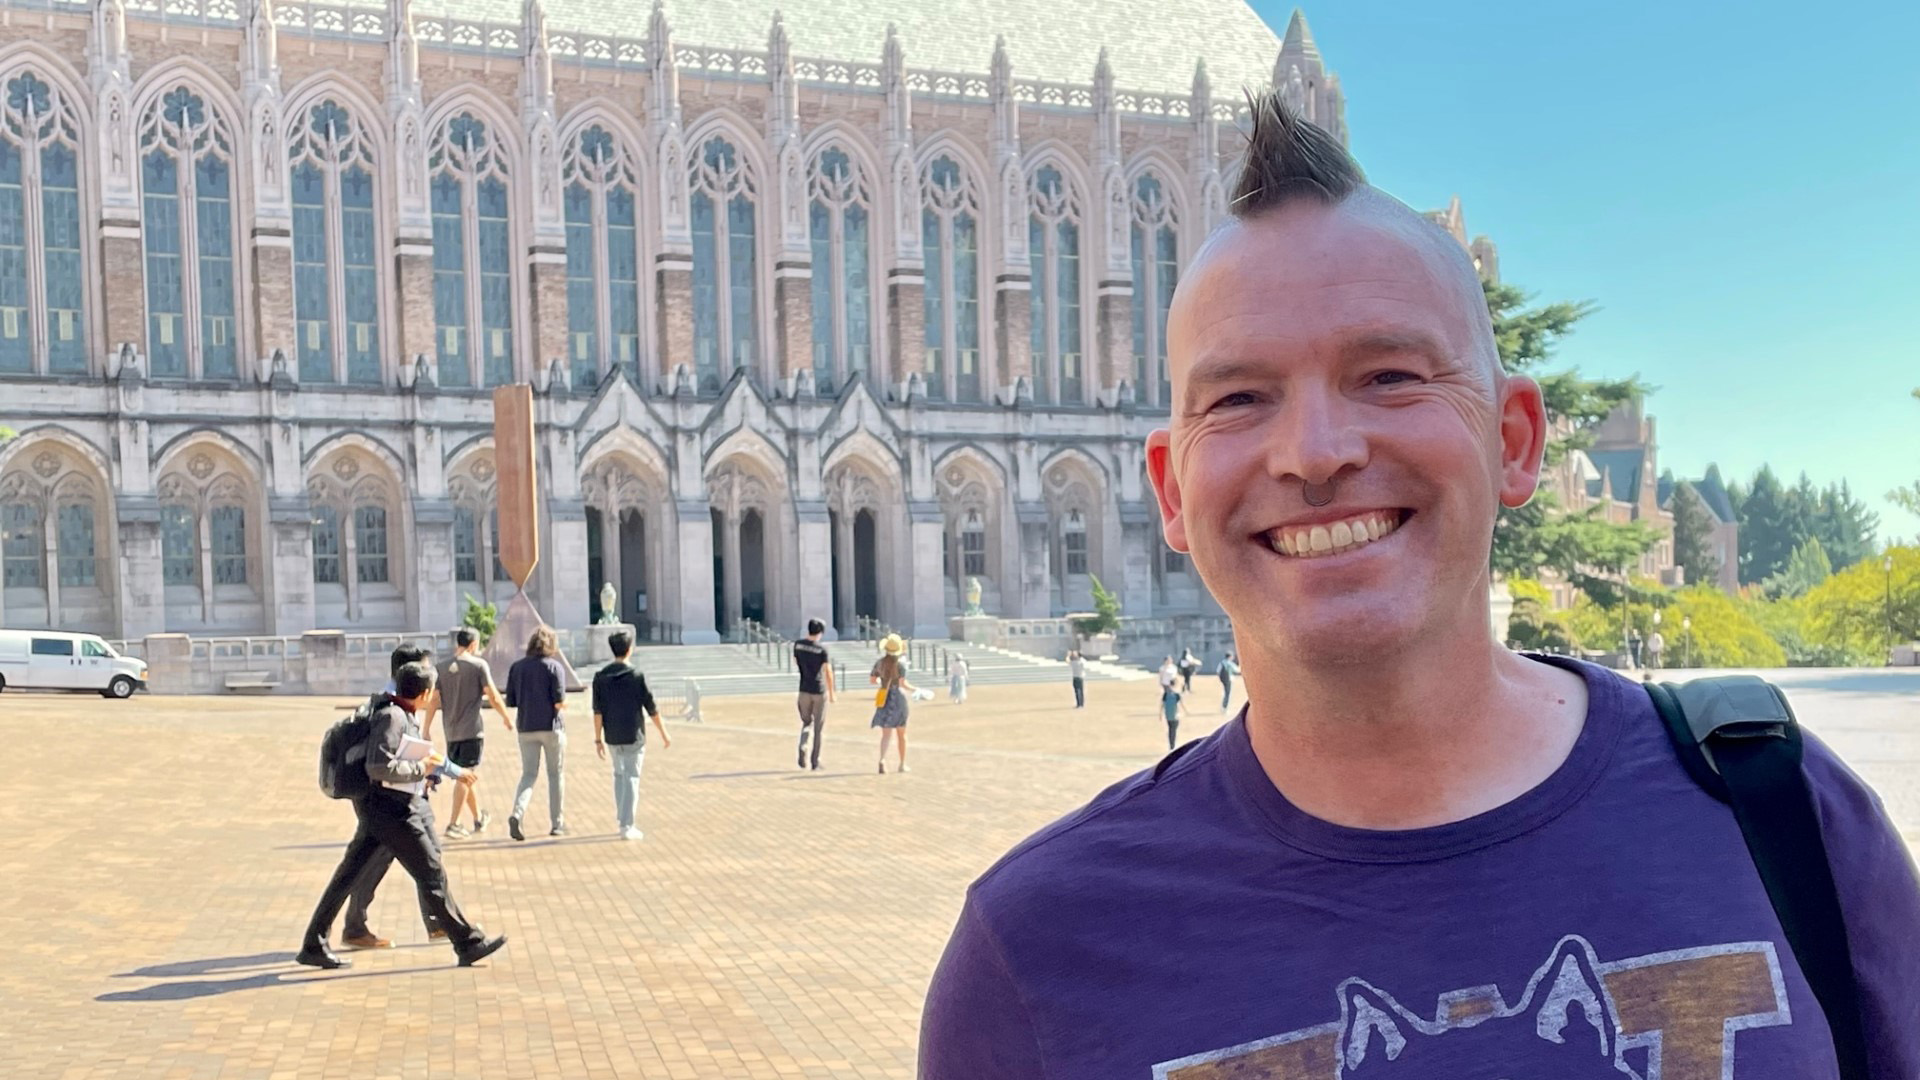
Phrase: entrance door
[753,567]
[720,620]
[866,566]
[635,604]
[596,563]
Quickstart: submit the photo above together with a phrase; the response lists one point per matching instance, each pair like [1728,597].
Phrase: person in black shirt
[816,688]
[620,695]
[394,815]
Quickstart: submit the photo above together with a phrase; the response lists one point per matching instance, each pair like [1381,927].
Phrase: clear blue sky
[1737,186]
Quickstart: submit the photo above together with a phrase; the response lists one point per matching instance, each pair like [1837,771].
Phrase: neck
[1428,736]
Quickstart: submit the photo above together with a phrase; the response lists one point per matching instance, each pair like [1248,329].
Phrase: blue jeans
[532,745]
[626,781]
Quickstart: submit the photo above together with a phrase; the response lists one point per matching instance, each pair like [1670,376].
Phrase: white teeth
[1330,539]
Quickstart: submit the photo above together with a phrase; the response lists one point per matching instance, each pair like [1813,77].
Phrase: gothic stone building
[823,316]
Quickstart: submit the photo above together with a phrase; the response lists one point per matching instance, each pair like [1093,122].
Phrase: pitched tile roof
[1153,45]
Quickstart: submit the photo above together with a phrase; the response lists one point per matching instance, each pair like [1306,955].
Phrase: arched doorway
[753,566]
[617,554]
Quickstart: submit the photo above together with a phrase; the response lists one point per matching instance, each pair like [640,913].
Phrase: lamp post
[1686,627]
[1886,564]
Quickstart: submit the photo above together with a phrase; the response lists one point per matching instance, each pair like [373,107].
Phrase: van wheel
[120,687]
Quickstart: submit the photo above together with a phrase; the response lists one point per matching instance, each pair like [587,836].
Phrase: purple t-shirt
[1192,924]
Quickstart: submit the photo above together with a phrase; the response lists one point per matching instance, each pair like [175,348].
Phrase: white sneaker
[630,833]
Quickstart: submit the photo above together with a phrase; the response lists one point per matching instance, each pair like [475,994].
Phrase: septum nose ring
[1317,494]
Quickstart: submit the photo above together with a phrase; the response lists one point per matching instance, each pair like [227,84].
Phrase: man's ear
[1523,440]
[1166,488]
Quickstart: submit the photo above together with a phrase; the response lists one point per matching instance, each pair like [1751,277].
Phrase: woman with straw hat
[890,702]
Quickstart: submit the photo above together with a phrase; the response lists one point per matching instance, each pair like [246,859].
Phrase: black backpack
[343,752]
[1738,739]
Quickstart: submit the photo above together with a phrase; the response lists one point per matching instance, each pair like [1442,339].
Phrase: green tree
[1844,525]
[1772,524]
[1537,535]
[1704,627]
[1805,570]
[1106,612]
[1535,626]
[1693,537]
[1862,606]
[484,619]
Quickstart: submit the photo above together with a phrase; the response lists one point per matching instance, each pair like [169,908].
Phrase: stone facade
[310,239]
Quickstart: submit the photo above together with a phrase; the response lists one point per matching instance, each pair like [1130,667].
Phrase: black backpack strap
[1737,737]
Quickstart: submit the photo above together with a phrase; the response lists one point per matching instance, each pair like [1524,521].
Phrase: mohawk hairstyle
[1289,158]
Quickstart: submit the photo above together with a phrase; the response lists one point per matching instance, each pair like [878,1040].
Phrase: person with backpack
[1416,853]
[1227,670]
[387,783]
[355,933]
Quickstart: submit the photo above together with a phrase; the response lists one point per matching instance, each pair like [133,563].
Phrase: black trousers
[1079,692]
[402,825]
[360,900]
[1173,732]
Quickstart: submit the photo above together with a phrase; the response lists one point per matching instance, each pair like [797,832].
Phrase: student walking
[1227,670]
[394,815]
[1171,706]
[1077,668]
[958,673]
[537,687]
[890,705]
[620,695]
[1189,664]
[463,682]
[355,933]
[816,689]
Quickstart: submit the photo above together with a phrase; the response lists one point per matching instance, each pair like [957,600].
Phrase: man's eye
[1238,397]
[1390,378]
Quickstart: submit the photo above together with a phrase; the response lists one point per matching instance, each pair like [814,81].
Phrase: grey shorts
[813,708]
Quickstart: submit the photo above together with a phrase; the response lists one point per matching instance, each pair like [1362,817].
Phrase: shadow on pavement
[828,775]
[208,966]
[740,775]
[191,989]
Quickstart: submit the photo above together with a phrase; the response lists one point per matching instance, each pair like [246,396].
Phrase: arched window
[41,282]
[179,545]
[21,559]
[1156,269]
[1073,543]
[370,540]
[472,255]
[837,221]
[949,235]
[466,545]
[205,542]
[1053,241]
[725,288]
[603,258]
[186,184]
[973,545]
[74,542]
[336,265]
[476,531]
[326,545]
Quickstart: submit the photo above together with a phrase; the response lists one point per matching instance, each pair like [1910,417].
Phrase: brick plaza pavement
[160,857]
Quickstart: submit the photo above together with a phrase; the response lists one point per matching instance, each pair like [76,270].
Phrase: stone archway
[747,514]
[624,533]
[56,541]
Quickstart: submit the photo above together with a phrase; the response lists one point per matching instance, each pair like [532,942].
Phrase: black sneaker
[513,829]
[474,954]
[803,758]
[319,956]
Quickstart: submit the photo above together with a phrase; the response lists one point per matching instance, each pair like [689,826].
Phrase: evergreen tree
[1693,537]
[1806,569]
[1767,535]
[1844,526]
[1537,534]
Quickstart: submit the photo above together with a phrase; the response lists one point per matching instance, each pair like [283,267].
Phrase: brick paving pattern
[161,856]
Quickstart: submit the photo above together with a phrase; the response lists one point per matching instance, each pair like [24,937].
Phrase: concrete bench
[250,682]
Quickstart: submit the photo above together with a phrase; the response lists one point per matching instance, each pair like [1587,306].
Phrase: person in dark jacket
[394,814]
[537,689]
[355,933]
[620,695]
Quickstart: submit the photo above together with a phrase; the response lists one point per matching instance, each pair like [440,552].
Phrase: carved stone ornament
[200,465]
[46,464]
[346,467]
[483,470]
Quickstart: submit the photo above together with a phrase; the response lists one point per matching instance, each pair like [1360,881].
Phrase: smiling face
[1344,345]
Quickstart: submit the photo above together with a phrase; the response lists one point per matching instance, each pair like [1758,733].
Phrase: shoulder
[477,663]
[1106,841]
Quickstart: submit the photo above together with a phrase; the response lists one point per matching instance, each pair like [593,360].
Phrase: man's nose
[1315,439]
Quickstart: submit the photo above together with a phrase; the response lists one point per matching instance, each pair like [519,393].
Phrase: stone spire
[1299,39]
[1006,111]
[260,52]
[663,90]
[537,120]
[1106,165]
[536,72]
[260,87]
[783,103]
[407,114]
[1203,158]
[1106,118]
[901,173]
[783,135]
[663,120]
[1009,176]
[110,72]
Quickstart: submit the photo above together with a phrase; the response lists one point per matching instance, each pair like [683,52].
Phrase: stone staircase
[726,670]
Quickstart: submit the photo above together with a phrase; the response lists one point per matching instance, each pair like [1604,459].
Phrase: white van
[56,660]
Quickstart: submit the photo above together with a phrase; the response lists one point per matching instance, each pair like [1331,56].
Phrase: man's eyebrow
[1387,342]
